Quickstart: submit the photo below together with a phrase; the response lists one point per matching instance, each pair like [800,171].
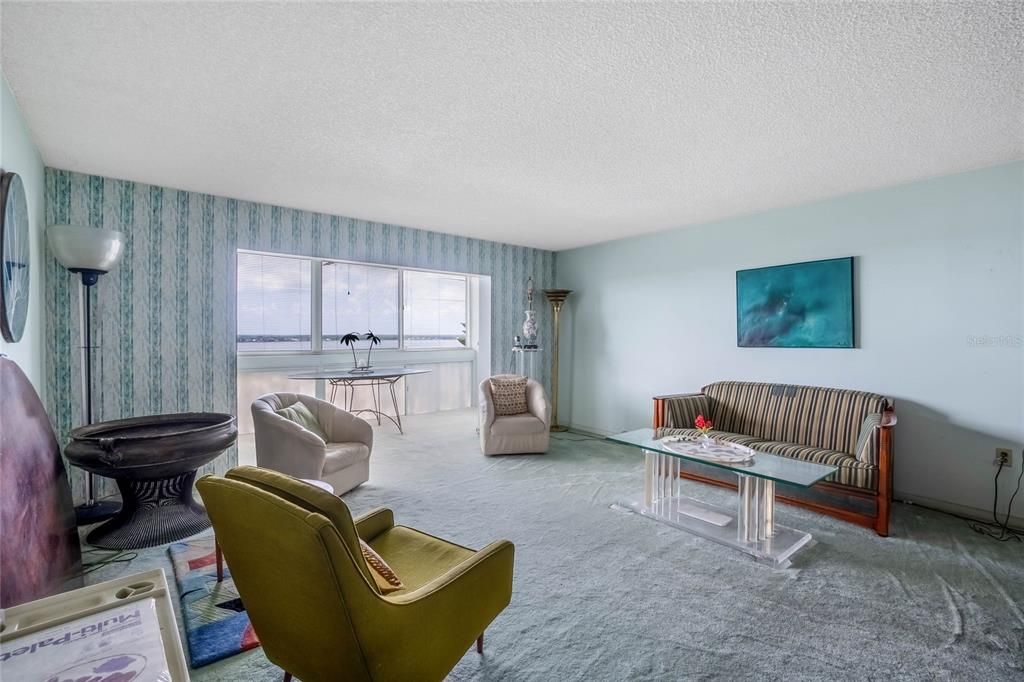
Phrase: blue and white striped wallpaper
[165,316]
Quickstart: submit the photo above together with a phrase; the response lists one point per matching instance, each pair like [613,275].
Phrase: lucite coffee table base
[750,529]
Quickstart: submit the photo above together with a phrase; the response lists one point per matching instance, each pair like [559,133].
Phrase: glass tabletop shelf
[765,465]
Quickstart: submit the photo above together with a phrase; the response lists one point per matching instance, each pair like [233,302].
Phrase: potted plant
[704,426]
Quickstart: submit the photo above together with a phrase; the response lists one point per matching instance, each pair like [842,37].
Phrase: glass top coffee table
[751,528]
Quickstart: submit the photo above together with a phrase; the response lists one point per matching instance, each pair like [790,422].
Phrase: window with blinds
[284,300]
[359,298]
[434,310]
[274,303]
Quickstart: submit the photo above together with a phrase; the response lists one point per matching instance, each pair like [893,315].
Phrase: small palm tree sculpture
[374,340]
[350,341]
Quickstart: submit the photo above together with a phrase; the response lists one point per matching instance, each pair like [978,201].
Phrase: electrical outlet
[1004,456]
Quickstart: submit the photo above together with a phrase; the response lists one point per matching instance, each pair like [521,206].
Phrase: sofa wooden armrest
[679,409]
[676,395]
[885,471]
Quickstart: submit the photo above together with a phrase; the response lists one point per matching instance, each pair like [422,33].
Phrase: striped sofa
[848,429]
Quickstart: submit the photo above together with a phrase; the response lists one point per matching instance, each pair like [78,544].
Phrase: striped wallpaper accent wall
[164,319]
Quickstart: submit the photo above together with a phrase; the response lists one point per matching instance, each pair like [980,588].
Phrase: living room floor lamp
[556,297]
[89,252]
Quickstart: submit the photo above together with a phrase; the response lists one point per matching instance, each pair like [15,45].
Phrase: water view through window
[274,296]
[404,308]
[435,310]
[359,298]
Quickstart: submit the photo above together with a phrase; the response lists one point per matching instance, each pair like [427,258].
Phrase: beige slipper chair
[304,437]
[514,434]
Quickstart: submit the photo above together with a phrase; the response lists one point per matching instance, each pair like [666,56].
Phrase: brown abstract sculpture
[39,549]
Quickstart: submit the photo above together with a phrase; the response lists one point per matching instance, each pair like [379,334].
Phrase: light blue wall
[165,316]
[940,320]
[18,154]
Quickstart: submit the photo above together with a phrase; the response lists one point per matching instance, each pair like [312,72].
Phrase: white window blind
[274,303]
[359,298]
[435,310]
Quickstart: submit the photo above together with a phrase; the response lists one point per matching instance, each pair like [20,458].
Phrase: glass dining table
[375,378]
[751,528]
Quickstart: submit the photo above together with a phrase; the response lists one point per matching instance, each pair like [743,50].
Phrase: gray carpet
[606,595]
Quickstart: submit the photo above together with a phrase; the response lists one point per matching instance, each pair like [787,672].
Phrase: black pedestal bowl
[154,461]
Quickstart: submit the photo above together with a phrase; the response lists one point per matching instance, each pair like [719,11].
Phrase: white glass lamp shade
[85,248]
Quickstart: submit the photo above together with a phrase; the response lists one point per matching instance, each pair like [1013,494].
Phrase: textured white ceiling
[550,125]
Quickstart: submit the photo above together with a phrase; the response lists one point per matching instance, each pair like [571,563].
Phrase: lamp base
[89,276]
[558,428]
[100,510]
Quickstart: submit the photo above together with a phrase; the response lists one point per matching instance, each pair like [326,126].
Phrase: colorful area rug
[216,624]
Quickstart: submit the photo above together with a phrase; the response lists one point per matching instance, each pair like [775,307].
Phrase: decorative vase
[705,441]
[530,330]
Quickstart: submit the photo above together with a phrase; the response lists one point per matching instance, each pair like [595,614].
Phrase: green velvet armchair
[293,551]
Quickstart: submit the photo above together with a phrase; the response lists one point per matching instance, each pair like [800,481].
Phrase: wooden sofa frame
[854,505]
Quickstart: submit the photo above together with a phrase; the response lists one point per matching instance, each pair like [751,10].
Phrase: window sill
[265,361]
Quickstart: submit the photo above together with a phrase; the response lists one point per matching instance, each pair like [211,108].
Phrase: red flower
[703,425]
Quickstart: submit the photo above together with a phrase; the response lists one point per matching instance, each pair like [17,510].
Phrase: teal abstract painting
[801,305]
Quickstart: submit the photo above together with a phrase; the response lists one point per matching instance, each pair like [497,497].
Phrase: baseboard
[1016,522]
[590,430]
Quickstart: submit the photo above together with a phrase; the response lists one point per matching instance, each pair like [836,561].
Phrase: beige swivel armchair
[343,459]
[516,434]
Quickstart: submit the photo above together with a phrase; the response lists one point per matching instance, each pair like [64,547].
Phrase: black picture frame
[837,295]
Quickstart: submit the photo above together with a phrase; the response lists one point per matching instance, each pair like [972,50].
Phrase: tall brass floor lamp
[556,297]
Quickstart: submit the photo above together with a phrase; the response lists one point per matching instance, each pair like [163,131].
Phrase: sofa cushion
[509,394]
[694,434]
[851,472]
[856,474]
[517,425]
[826,418]
[867,442]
